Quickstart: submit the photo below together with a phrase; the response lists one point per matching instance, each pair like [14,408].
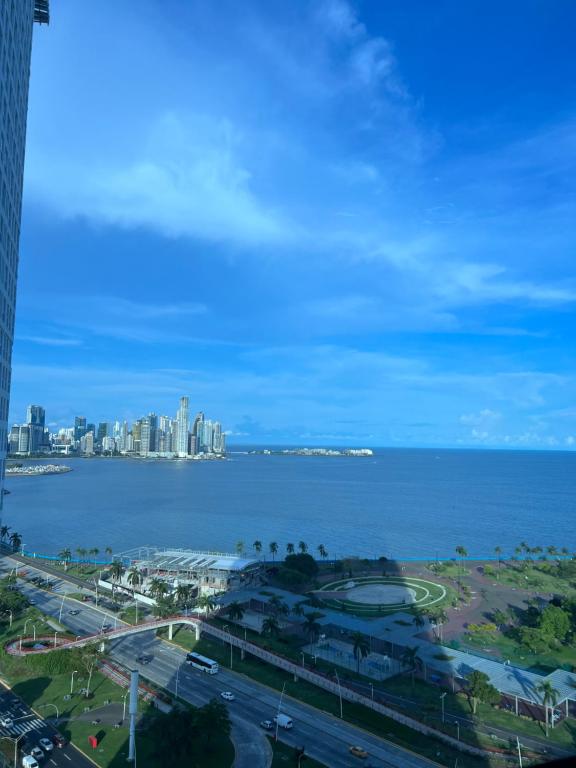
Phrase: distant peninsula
[313,452]
[19,470]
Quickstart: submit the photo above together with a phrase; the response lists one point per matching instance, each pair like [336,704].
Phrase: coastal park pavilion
[209,572]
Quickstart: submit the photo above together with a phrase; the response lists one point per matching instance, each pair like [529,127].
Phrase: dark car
[59,740]
[74,612]
[145,658]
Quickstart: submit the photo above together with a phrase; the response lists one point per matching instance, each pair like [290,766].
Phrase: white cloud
[49,341]
[186,178]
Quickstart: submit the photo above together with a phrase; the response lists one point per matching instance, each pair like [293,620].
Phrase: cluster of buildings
[149,436]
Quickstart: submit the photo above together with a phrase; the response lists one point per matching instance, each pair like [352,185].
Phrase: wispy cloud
[50,341]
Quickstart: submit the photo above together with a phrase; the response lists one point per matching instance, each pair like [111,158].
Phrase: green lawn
[503,647]
[316,697]
[534,577]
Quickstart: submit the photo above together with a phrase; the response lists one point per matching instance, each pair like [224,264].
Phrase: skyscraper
[16,21]
[35,414]
[79,427]
[183,419]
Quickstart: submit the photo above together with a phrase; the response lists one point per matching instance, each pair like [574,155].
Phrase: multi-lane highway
[27,728]
[324,737]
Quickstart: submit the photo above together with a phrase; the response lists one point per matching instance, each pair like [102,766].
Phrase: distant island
[314,452]
[17,470]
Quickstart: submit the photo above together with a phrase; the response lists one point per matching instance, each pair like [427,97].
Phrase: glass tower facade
[16,21]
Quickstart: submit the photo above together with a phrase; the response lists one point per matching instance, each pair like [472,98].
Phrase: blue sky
[326,222]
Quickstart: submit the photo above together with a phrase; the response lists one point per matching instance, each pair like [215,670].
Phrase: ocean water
[399,503]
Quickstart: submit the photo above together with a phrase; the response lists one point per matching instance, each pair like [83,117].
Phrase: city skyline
[382,255]
[149,435]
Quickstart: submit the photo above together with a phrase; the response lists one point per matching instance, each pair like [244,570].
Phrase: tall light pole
[34,631]
[9,738]
[226,628]
[26,624]
[124,705]
[61,608]
[49,704]
[177,681]
[133,711]
[55,636]
[339,693]
[371,690]
[75,672]
[442,695]
[519,751]
[279,708]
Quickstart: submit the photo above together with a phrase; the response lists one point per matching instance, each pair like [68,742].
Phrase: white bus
[203,663]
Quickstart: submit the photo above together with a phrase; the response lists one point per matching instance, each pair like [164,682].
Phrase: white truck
[29,762]
[283,721]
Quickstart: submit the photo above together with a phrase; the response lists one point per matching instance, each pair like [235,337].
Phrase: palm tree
[463,553]
[297,609]
[240,547]
[549,699]
[498,551]
[65,555]
[311,626]
[134,577]
[303,547]
[270,626]
[273,547]
[236,611]
[290,548]
[322,551]
[360,649]
[275,604]
[108,551]
[157,587]
[95,552]
[117,570]
[182,594]
[206,603]
[4,532]
[16,541]
[410,659]
[257,546]
[418,620]
[81,552]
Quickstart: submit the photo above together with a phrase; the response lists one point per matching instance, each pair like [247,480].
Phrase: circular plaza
[376,595]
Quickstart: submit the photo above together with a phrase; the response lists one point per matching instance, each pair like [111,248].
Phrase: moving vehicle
[227,696]
[145,658]
[267,725]
[283,721]
[106,627]
[358,752]
[59,740]
[6,722]
[46,745]
[74,612]
[29,762]
[202,662]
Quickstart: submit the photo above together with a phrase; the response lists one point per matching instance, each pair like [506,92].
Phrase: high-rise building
[183,419]
[103,431]
[87,443]
[16,21]
[79,427]
[218,442]
[36,415]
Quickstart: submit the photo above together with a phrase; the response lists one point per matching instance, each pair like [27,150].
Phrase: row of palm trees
[274,548]
[13,537]
[85,556]
[159,589]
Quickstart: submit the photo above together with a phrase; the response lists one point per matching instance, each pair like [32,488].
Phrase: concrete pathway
[252,748]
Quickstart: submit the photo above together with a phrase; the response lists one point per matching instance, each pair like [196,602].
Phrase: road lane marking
[53,762]
[67,757]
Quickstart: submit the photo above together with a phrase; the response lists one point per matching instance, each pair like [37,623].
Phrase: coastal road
[325,738]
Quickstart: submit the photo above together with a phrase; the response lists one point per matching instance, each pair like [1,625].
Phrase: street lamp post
[75,672]
[227,629]
[20,643]
[279,708]
[372,691]
[26,624]
[518,745]
[34,631]
[61,608]
[11,617]
[124,705]
[339,693]
[302,654]
[49,704]
[442,695]
[55,636]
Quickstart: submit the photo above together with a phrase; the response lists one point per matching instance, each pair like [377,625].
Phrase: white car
[46,745]
[37,753]
[227,696]
[6,722]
